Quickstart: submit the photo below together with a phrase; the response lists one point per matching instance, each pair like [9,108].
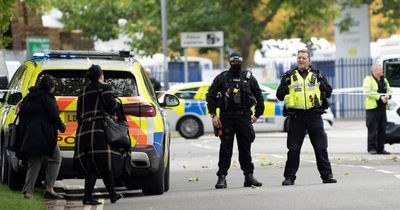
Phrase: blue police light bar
[120,55]
[40,55]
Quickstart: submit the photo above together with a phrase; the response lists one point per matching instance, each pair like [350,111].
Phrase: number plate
[70,118]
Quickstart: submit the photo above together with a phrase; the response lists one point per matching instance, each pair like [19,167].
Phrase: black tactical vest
[237,94]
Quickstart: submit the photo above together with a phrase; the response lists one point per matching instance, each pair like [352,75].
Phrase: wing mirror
[170,100]
[14,98]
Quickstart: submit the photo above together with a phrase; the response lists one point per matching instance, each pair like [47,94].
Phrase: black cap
[235,57]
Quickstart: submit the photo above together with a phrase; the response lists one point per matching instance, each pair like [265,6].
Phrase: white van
[391,69]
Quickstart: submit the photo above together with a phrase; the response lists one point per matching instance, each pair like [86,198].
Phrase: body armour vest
[238,95]
[303,93]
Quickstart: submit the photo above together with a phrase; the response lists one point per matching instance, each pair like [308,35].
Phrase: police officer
[234,92]
[304,91]
[377,88]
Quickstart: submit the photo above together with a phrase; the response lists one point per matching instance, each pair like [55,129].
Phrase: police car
[148,129]
[391,69]
[191,118]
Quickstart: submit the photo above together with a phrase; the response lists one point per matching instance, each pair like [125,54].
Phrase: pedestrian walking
[93,156]
[235,92]
[377,89]
[304,91]
[40,122]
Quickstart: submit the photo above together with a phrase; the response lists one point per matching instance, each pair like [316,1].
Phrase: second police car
[191,118]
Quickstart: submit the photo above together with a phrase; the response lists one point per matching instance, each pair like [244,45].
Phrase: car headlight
[392,105]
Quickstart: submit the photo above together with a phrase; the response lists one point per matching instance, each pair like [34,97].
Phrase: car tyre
[4,168]
[154,183]
[16,180]
[190,127]
[166,175]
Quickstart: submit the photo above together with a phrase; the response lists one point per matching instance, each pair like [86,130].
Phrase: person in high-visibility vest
[377,88]
[305,90]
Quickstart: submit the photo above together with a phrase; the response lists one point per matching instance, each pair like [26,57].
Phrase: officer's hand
[253,119]
[216,122]
[384,99]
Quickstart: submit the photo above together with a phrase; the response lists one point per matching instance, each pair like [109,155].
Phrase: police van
[391,69]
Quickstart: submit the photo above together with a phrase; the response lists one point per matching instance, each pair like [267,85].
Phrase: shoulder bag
[116,131]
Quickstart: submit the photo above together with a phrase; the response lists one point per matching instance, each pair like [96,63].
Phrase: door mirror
[14,98]
[170,100]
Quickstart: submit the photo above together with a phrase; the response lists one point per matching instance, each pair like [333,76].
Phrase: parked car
[191,118]
[391,69]
[147,128]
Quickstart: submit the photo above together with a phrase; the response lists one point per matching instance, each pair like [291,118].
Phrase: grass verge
[10,200]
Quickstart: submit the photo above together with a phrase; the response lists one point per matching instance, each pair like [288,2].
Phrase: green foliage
[7,13]
[5,18]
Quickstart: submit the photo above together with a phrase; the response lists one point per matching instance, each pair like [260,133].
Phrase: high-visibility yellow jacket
[304,93]
[370,87]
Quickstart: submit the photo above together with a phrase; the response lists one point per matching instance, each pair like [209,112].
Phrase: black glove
[62,128]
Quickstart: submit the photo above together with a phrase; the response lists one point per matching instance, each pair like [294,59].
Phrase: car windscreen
[72,82]
[392,72]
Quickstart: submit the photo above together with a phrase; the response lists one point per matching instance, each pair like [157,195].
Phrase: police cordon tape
[342,91]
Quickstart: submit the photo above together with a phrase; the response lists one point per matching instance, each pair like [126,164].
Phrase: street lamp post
[164,42]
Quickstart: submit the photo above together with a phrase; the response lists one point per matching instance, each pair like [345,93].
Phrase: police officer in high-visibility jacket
[235,92]
[377,88]
[304,91]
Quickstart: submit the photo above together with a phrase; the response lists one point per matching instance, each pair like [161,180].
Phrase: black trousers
[239,124]
[90,181]
[298,124]
[376,124]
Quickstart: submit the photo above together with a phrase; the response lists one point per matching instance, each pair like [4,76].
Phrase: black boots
[249,181]
[329,181]
[288,181]
[221,183]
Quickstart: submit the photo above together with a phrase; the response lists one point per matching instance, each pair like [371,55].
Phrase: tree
[8,12]
[244,22]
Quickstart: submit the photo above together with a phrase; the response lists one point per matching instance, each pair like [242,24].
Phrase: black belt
[235,112]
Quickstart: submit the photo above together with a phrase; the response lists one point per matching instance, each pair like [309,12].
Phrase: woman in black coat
[93,155]
[40,122]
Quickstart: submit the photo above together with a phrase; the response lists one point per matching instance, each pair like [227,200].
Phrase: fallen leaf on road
[262,157]
[347,173]
[193,179]
[205,166]
[184,166]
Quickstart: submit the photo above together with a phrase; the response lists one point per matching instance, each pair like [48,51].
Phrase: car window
[188,93]
[72,82]
[149,85]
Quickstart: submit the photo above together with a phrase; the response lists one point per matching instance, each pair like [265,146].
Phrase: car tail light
[140,109]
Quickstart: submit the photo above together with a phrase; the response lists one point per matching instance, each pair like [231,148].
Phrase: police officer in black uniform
[305,91]
[234,92]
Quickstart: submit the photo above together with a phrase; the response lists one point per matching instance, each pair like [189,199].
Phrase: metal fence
[350,73]
[341,73]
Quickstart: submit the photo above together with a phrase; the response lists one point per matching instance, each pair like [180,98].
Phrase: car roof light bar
[117,55]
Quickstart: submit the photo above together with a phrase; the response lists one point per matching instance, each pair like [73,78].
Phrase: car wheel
[154,183]
[4,168]
[190,127]
[166,176]
[16,180]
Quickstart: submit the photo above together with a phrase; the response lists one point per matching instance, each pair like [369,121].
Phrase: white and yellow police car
[191,118]
[148,129]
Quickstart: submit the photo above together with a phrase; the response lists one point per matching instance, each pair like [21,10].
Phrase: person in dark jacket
[235,92]
[305,90]
[93,155]
[40,121]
